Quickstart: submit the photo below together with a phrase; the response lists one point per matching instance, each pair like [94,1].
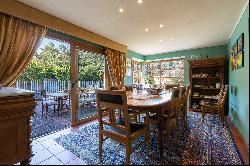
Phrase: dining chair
[173,106]
[182,112]
[125,132]
[170,116]
[215,107]
[170,86]
[47,102]
[128,87]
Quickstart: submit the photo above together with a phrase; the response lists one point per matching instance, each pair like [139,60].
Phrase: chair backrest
[173,106]
[129,88]
[114,88]
[222,100]
[112,101]
[176,92]
[182,91]
[221,94]
[170,86]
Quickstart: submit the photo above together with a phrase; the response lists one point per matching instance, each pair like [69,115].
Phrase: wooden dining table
[144,102]
[59,98]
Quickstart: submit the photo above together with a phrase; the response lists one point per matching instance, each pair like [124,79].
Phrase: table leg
[59,108]
[25,162]
[61,104]
[160,130]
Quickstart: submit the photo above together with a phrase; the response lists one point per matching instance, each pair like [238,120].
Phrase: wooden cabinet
[15,130]
[206,78]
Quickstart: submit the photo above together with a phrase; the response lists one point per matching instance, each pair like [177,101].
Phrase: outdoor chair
[46,103]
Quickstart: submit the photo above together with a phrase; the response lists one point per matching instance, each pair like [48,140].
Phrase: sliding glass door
[87,75]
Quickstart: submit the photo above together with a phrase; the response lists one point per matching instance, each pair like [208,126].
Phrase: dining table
[145,102]
[59,97]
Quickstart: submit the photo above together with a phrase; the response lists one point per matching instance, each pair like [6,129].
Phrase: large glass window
[137,72]
[164,72]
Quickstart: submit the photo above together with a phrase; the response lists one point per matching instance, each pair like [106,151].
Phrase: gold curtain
[116,62]
[19,40]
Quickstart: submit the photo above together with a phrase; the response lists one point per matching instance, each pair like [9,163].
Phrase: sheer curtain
[19,40]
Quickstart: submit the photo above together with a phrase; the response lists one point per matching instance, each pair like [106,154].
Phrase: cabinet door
[13,140]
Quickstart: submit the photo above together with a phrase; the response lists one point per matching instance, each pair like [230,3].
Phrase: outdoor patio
[42,125]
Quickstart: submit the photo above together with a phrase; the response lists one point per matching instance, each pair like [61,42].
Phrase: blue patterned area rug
[208,143]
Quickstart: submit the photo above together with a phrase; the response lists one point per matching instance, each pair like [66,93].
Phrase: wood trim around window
[83,46]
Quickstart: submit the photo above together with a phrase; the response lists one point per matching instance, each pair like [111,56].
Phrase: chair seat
[133,111]
[84,101]
[155,117]
[50,102]
[209,102]
[134,126]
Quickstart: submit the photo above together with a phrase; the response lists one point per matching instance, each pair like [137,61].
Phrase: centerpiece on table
[154,89]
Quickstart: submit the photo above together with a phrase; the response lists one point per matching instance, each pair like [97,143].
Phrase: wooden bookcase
[204,74]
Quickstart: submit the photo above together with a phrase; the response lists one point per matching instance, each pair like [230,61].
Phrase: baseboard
[239,131]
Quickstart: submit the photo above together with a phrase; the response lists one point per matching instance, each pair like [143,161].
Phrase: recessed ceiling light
[172,38]
[139,1]
[121,10]
[146,29]
[161,40]
[161,25]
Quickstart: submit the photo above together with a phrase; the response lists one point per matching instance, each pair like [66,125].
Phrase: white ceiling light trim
[121,10]
[139,1]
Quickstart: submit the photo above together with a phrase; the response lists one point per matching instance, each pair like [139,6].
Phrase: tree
[54,63]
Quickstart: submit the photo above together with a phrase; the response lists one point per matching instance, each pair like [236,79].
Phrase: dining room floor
[47,151]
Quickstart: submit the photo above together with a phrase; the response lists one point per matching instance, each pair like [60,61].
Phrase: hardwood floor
[242,146]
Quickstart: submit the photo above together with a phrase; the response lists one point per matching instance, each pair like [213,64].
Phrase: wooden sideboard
[16,108]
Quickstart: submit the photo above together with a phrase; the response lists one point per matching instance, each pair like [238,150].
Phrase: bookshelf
[206,77]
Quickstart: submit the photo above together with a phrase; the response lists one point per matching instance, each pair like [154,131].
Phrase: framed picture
[235,48]
[240,42]
[239,58]
[233,61]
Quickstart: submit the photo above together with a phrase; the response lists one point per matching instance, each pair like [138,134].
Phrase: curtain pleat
[116,62]
[19,40]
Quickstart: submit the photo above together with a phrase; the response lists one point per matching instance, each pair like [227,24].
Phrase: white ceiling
[192,23]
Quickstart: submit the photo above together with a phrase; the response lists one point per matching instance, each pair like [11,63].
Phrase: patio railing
[52,86]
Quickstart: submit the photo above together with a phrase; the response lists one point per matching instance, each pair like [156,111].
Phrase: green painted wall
[238,103]
[215,51]
[131,54]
